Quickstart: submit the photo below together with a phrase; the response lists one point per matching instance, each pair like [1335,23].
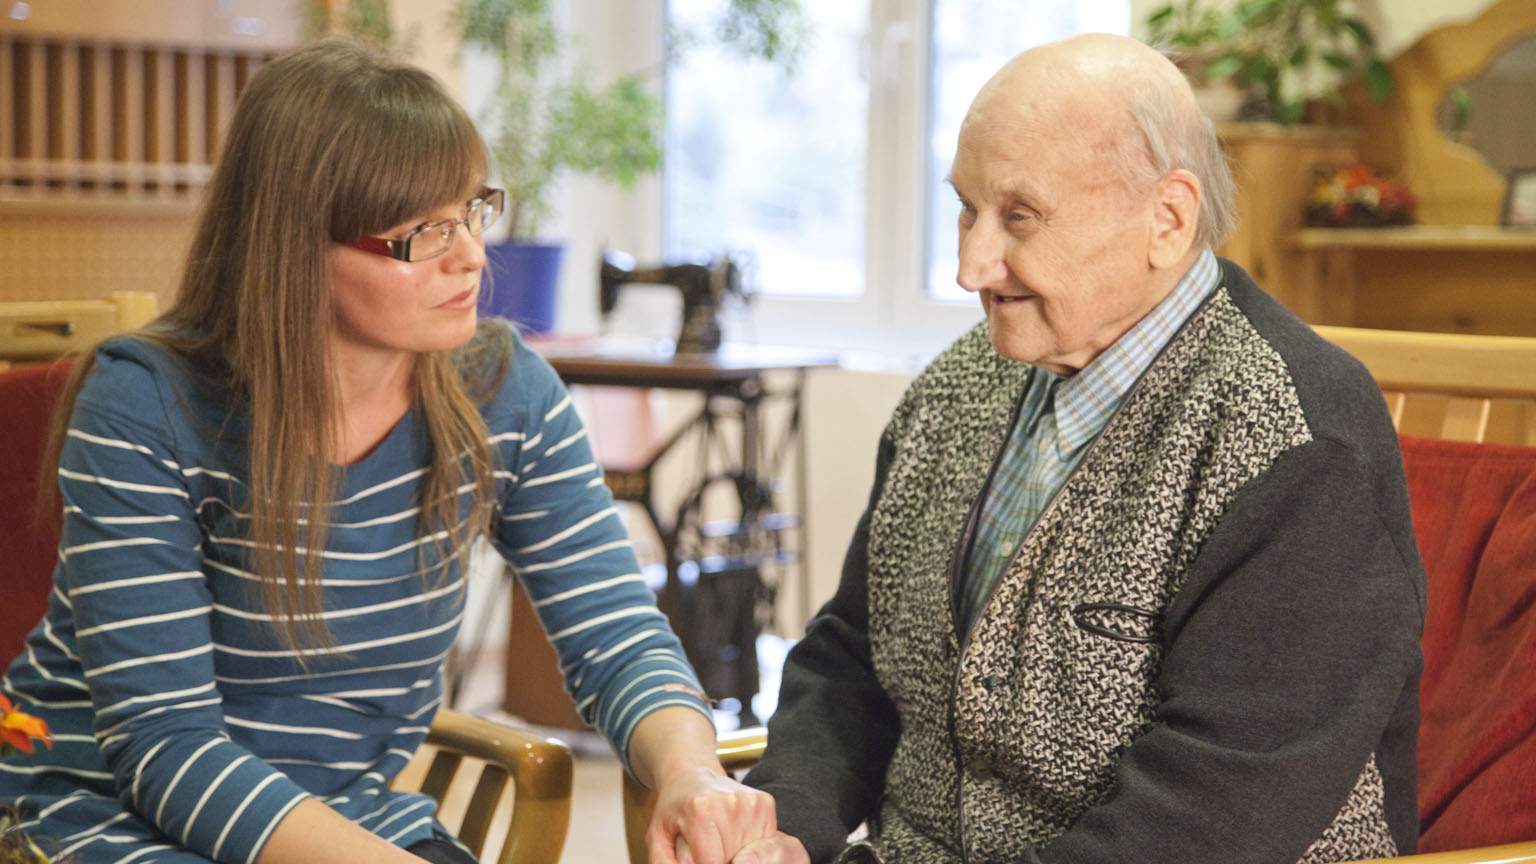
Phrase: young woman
[233,671]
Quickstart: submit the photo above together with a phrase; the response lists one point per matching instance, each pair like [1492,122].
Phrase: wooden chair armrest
[540,769]
[737,750]
[1513,853]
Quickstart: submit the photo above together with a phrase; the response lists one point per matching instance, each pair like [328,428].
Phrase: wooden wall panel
[36,86]
[7,103]
[49,251]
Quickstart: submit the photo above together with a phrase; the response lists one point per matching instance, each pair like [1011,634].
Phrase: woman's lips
[458,301]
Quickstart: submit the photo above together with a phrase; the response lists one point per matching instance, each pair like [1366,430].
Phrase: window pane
[971,41]
[771,164]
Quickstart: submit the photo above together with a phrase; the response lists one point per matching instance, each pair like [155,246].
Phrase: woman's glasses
[436,238]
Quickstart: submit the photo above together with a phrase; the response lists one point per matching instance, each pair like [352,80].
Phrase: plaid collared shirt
[1057,420]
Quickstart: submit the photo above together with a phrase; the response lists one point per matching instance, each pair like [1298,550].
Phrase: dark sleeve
[1290,648]
[834,731]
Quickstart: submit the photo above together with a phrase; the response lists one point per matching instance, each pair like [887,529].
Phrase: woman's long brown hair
[328,143]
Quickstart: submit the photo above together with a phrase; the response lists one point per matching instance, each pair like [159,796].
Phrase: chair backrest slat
[1450,385]
[482,808]
[1465,419]
[444,765]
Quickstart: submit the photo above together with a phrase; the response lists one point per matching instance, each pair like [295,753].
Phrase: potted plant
[546,117]
[1279,54]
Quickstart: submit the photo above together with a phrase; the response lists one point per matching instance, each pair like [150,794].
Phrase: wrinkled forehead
[1032,139]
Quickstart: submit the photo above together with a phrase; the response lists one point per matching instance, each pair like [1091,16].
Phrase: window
[767,162]
[833,182]
[971,40]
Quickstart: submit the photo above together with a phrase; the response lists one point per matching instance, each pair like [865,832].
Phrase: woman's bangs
[426,154]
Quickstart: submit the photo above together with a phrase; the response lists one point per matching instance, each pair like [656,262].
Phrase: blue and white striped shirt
[1057,419]
[185,731]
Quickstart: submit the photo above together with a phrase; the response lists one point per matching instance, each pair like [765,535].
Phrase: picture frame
[1520,199]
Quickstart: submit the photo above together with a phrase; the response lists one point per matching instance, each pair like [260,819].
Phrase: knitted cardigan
[1204,650]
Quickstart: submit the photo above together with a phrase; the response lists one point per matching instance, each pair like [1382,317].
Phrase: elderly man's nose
[981,259]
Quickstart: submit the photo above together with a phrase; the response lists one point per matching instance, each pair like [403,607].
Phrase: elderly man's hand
[778,848]
[705,817]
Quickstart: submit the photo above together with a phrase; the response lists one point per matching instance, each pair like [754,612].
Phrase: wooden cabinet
[1457,272]
[111,114]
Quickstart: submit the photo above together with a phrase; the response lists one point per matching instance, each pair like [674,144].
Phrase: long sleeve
[835,729]
[132,563]
[560,530]
[1290,648]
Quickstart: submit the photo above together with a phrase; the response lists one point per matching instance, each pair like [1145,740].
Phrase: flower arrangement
[1357,197]
[18,732]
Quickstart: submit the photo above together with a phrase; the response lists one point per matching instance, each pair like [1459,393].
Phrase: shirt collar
[1086,401]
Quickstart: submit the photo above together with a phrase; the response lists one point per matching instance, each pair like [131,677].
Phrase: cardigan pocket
[1117,621]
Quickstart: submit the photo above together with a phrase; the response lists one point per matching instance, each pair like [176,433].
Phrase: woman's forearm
[314,832]
[669,741]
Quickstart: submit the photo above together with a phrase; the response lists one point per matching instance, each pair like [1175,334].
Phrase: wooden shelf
[1457,238]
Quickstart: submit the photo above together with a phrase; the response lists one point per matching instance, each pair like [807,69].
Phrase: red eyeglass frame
[400,250]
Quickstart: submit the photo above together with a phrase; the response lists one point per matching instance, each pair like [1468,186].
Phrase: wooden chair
[738,751]
[1456,388]
[531,827]
[1450,386]
[42,329]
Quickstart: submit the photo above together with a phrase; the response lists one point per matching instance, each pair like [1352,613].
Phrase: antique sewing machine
[704,287]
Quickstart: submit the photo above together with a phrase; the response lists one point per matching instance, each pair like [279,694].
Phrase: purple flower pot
[522,284]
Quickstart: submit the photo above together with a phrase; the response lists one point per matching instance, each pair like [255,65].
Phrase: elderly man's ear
[1176,203]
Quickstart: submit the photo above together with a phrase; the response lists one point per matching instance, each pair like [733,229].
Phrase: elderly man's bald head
[1124,101]
[1097,67]
[1089,184]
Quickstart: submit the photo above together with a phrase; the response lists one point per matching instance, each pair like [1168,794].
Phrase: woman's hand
[704,817]
[777,848]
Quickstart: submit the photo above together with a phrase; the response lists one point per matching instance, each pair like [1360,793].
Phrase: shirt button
[981,766]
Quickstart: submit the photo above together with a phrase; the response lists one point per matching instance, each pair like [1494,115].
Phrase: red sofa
[28,545]
[1474,511]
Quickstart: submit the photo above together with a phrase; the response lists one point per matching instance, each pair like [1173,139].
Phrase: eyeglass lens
[479,215]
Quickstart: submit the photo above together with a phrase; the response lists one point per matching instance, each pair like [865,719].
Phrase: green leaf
[1378,80]
[1159,17]
[1301,55]
[1222,69]
[1361,30]
[1461,109]
[773,30]
[1338,61]
[1289,112]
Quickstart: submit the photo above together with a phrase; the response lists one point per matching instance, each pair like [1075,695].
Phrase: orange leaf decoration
[19,729]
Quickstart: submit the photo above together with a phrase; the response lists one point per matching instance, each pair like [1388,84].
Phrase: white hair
[1173,137]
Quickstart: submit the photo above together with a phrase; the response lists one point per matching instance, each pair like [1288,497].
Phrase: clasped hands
[705,817]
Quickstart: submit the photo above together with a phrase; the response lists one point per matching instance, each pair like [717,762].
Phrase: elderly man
[1137,580]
